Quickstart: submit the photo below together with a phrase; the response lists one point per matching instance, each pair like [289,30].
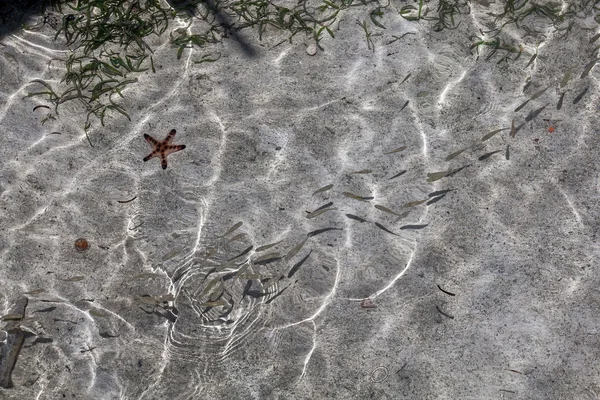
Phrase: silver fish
[384,228]
[415,203]
[439,192]
[405,104]
[522,105]
[267,246]
[588,67]
[560,101]
[319,231]
[580,95]
[356,197]
[12,344]
[398,174]
[295,250]
[457,153]
[323,189]
[566,78]
[233,228]
[356,218]
[361,172]
[488,155]
[396,150]
[316,213]
[513,131]
[491,134]
[414,226]
[507,155]
[535,113]
[538,94]
[385,209]
[531,60]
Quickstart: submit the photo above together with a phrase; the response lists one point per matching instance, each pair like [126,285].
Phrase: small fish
[267,246]
[316,213]
[396,150]
[246,251]
[422,93]
[398,174]
[74,279]
[356,218]
[580,95]
[11,317]
[323,189]
[535,113]
[566,78]
[439,192]
[252,277]
[319,231]
[405,104]
[236,237]
[531,60]
[414,226]
[435,199]
[588,67]
[233,228]
[295,250]
[356,197]
[402,216]
[539,93]
[594,38]
[513,131]
[361,172]
[415,203]
[491,134]
[45,310]
[404,80]
[457,170]
[209,288]
[527,84]
[298,265]
[456,153]
[384,228]
[35,291]
[434,176]
[488,155]
[385,209]
[507,155]
[216,303]
[97,313]
[560,101]
[267,258]
[324,206]
[522,105]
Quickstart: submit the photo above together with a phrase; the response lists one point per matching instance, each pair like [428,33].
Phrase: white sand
[516,242]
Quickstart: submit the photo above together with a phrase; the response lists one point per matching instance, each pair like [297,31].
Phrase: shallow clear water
[513,245]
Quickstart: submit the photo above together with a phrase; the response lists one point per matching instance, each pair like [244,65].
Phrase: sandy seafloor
[516,241]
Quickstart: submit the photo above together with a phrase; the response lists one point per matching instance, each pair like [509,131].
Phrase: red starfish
[162,149]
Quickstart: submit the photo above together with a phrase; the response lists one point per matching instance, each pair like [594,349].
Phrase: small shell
[81,244]
[311,50]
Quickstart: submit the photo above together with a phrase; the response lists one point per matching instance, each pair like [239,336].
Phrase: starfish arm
[163,161]
[151,155]
[170,136]
[172,149]
[150,140]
